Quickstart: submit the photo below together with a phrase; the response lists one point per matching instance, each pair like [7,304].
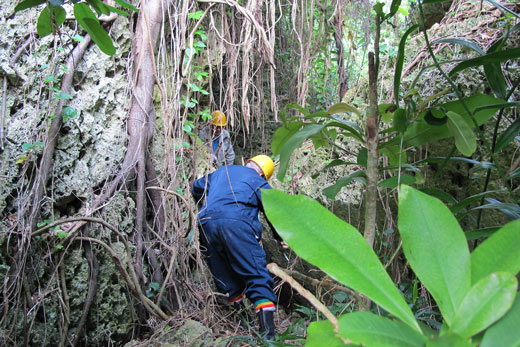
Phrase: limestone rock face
[90,147]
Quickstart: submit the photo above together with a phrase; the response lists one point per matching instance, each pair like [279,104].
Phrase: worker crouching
[231,232]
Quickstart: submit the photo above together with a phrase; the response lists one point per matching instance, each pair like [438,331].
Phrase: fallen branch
[276,270]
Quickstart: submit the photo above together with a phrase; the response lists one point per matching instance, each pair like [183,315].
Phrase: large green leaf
[49,17]
[28,4]
[368,329]
[435,247]
[324,240]
[322,334]
[294,142]
[465,138]
[88,21]
[500,252]
[420,132]
[505,332]
[282,134]
[487,301]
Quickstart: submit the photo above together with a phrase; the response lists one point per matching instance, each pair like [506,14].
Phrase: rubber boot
[266,323]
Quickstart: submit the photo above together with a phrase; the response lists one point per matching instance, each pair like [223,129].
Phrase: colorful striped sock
[265,305]
[236,299]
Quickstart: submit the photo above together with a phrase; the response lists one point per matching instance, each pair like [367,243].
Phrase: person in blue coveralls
[218,137]
[231,232]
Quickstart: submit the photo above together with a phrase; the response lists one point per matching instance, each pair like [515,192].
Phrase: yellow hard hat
[218,119]
[265,163]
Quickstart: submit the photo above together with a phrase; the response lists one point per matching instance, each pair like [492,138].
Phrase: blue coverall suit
[231,231]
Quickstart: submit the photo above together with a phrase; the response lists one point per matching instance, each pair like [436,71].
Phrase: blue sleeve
[258,193]
[198,188]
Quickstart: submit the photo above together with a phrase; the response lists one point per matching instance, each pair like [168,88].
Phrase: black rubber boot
[266,323]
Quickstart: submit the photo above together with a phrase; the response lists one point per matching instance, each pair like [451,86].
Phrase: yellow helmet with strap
[265,163]
[218,119]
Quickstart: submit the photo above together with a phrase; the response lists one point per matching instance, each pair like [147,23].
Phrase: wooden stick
[276,270]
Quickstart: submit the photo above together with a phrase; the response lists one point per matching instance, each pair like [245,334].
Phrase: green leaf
[155,286]
[449,340]
[58,246]
[400,120]
[436,248]
[68,113]
[283,134]
[331,191]
[126,5]
[61,95]
[494,57]
[465,138]
[420,132]
[394,7]
[480,233]
[116,10]
[196,15]
[496,80]
[509,209]
[21,159]
[324,240]
[435,117]
[362,157]
[342,107]
[62,234]
[367,329]
[99,7]
[392,153]
[505,332]
[504,9]
[379,9]
[322,333]
[514,174]
[28,4]
[508,135]
[488,300]
[27,146]
[500,252]
[88,21]
[468,44]
[400,62]
[47,18]
[439,194]
[78,38]
[294,142]
[392,182]
[386,111]
[469,200]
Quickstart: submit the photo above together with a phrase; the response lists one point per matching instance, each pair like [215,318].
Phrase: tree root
[92,290]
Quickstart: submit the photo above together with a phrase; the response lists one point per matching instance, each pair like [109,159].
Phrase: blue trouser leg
[236,258]
[218,263]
